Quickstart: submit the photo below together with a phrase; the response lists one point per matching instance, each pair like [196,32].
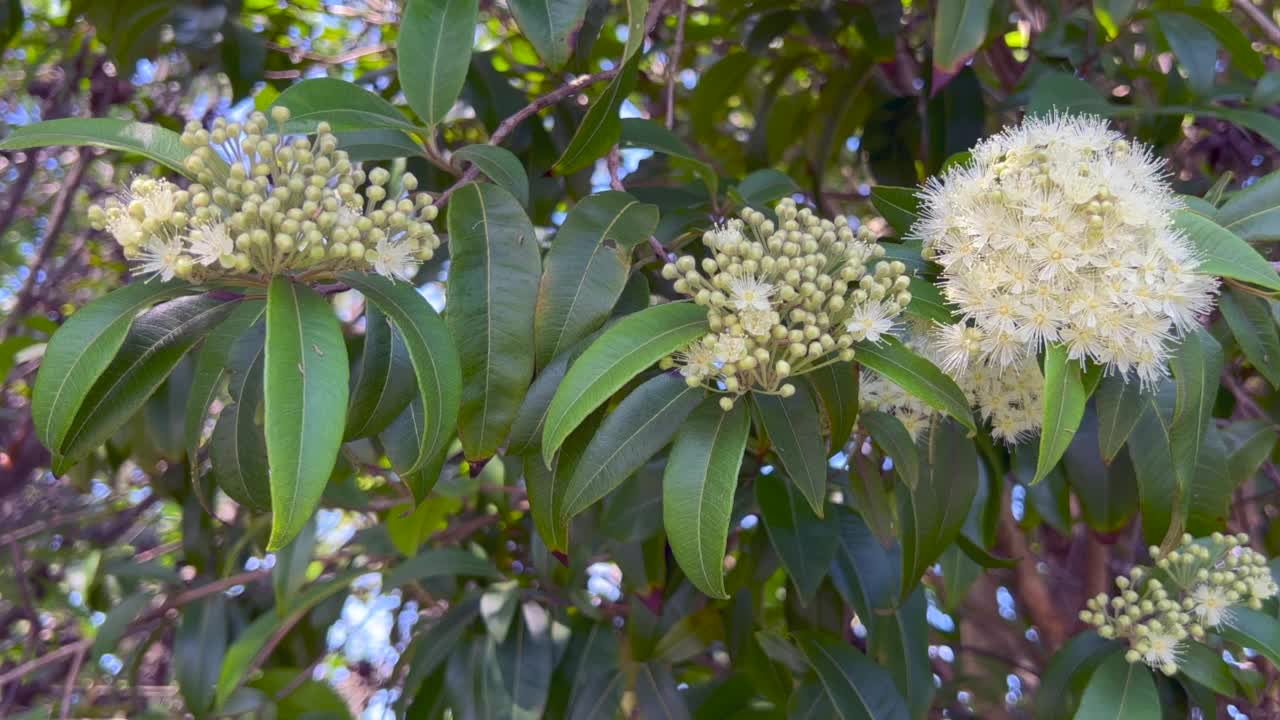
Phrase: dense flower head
[1059,230]
[266,202]
[1010,398]
[1190,590]
[784,298]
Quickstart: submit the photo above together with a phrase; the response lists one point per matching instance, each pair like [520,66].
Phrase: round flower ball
[1060,230]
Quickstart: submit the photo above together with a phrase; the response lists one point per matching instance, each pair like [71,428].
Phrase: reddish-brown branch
[1045,612]
[1259,18]
[673,65]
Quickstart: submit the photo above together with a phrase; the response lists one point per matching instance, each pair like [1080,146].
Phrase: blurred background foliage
[826,99]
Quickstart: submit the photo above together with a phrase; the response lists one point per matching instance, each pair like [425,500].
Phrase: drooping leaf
[1197,365]
[492,291]
[549,25]
[211,363]
[1064,400]
[795,432]
[836,387]
[648,134]
[656,693]
[238,447]
[959,27]
[113,627]
[1120,689]
[586,269]
[547,485]
[1151,454]
[866,575]
[889,433]
[1223,252]
[152,348]
[1253,323]
[1120,406]
[917,376]
[1064,678]
[805,544]
[199,646]
[600,127]
[522,666]
[899,206]
[641,425]
[1193,45]
[858,688]
[698,488]
[151,141]
[899,641]
[933,514]
[434,54]
[292,561]
[1253,214]
[619,354]
[500,166]
[305,402]
[384,380]
[1253,629]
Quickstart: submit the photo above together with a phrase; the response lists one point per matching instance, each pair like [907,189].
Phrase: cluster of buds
[783,299]
[1010,399]
[1060,231]
[266,203]
[1189,591]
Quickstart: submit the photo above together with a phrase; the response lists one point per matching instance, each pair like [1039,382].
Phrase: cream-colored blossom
[1211,604]
[210,243]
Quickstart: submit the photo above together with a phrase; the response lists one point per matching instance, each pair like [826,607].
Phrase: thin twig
[1259,18]
[70,685]
[673,65]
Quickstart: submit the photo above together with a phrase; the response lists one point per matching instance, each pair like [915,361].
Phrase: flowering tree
[652,359]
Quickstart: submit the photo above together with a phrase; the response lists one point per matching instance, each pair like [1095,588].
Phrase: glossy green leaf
[1064,401]
[1231,36]
[432,647]
[1120,690]
[891,435]
[238,447]
[292,562]
[927,302]
[1249,443]
[500,166]
[377,144]
[346,107]
[116,623]
[402,441]
[656,694]
[795,433]
[310,698]
[1253,213]
[648,134]
[899,641]
[1199,663]
[836,388]
[1197,365]
[899,206]
[1225,253]
[805,544]
[1253,322]
[305,402]
[439,562]
[431,352]
[526,429]
[154,345]
[933,514]
[641,425]
[199,646]
[698,488]
[858,688]
[586,269]
[1121,403]
[384,381]
[522,666]
[959,27]
[1194,46]
[548,25]
[81,350]
[492,291]
[865,573]
[631,345]
[434,54]
[1253,629]
[210,370]
[917,376]
[1151,453]
[637,10]
[151,141]
[1064,678]
[600,127]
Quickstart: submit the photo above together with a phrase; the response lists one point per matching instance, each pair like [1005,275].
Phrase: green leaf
[1120,690]
[1225,253]
[434,54]
[598,696]
[1206,667]
[927,302]
[116,623]
[899,641]
[384,380]
[865,574]
[620,353]
[492,291]
[933,514]
[1196,365]
[431,352]
[715,86]
[899,206]
[858,688]
[150,351]
[917,376]
[81,350]
[586,269]
[697,491]
[1253,213]
[238,448]
[1063,91]
[309,698]
[258,637]
[763,187]
[1151,453]
[402,441]
[1064,400]
[1250,443]
[210,369]
[292,561]
[836,387]
[648,134]
[305,399]
[441,562]
[600,127]
[345,106]
[377,144]
[523,664]
[526,430]
[656,695]
[805,544]
[795,432]
[981,555]
[638,428]
[431,648]
[548,25]
[636,12]
[1195,47]
[959,27]
[546,486]
[1120,406]
[1064,678]
[891,435]
[1229,34]
[500,166]
[1253,629]
[151,141]
[1253,323]
[690,636]
[199,647]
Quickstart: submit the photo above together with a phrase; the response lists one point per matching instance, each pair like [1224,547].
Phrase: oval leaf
[697,491]
[500,166]
[345,106]
[384,381]
[795,432]
[857,687]
[152,141]
[238,448]
[548,24]
[305,389]
[917,376]
[1064,400]
[434,54]
[806,545]
[493,287]
[211,364]
[1120,406]
[891,435]
[1120,690]
[1224,253]
[600,127]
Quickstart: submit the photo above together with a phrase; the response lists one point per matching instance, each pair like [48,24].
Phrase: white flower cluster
[1206,578]
[266,203]
[1059,230]
[784,299]
[1010,398]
